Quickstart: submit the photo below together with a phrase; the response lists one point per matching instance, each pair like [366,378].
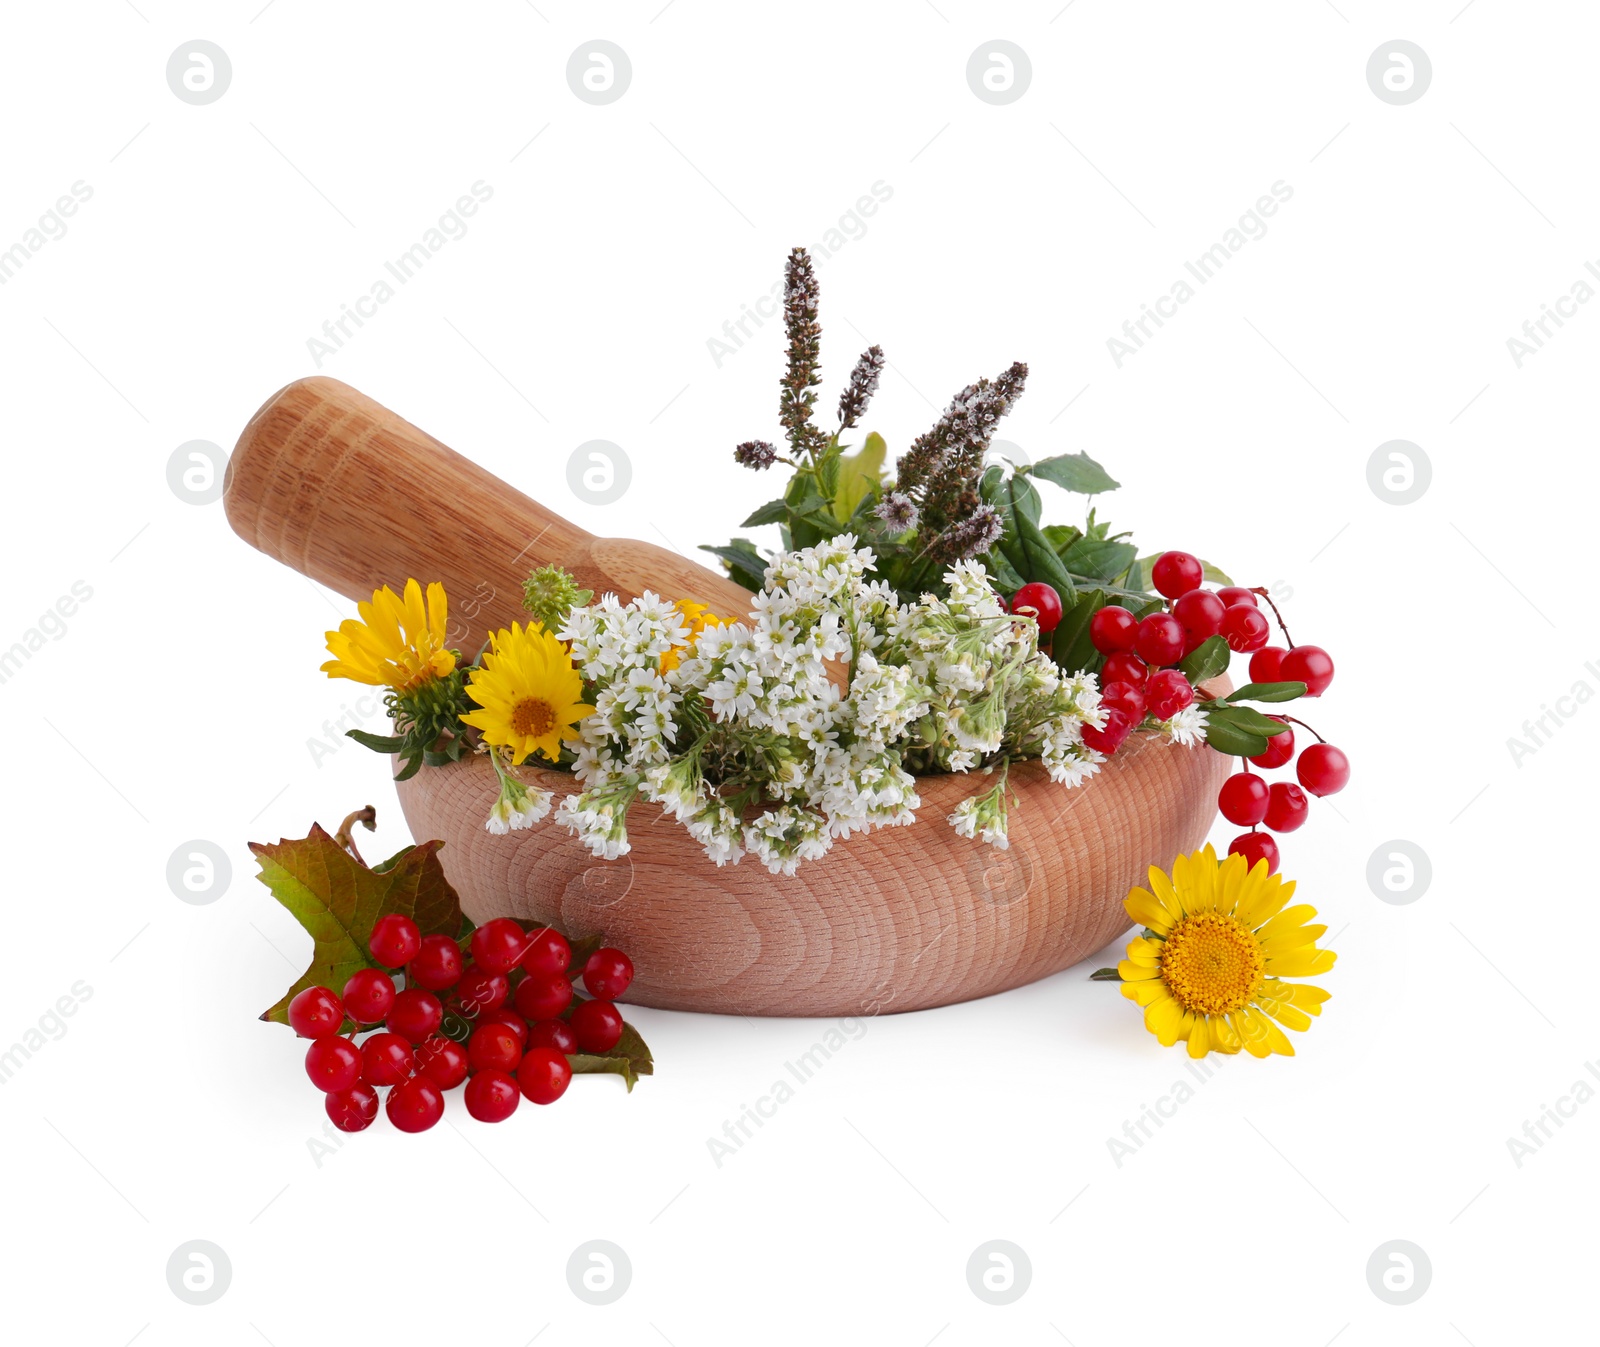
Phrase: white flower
[1188,727]
[518,807]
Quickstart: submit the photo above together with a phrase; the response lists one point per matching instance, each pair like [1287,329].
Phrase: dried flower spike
[757,454]
[800,295]
[863,384]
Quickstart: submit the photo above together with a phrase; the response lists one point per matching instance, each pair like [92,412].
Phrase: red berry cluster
[1136,682]
[508,1054]
[1140,677]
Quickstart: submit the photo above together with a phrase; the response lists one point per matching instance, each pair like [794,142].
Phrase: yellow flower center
[1212,964]
[533,717]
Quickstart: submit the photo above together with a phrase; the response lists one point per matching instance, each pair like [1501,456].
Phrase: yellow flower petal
[1146,909]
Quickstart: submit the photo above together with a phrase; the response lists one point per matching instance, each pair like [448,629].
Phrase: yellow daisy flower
[1222,939]
[697,619]
[529,694]
[399,643]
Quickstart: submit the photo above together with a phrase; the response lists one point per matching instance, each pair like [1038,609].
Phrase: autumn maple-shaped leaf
[339,900]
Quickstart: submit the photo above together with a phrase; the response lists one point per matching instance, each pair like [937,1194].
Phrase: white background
[180,700]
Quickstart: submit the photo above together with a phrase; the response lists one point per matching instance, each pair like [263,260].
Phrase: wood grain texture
[899,919]
[337,486]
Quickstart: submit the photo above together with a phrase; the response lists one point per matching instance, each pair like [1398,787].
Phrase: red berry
[443,1061]
[387,1059]
[1311,665]
[1160,639]
[1243,799]
[1266,663]
[497,946]
[494,1046]
[416,1014]
[368,996]
[1124,668]
[1200,614]
[1040,602]
[415,1105]
[548,952]
[1167,693]
[1245,628]
[437,964]
[543,996]
[333,1064]
[1112,630]
[1255,847]
[555,1034]
[1122,697]
[1232,594]
[352,1110]
[1323,769]
[492,1096]
[395,940]
[1115,733]
[597,1024]
[481,990]
[608,973]
[1280,747]
[1287,807]
[316,1013]
[1176,573]
[510,1019]
[544,1075]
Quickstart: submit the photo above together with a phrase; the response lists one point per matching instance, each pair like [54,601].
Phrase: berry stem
[345,837]
[1282,625]
[1295,720]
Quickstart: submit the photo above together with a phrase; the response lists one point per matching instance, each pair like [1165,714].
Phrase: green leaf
[1226,737]
[1071,646]
[1098,560]
[1268,692]
[1042,563]
[1134,580]
[338,900]
[379,743]
[1001,571]
[828,474]
[746,566]
[1075,472]
[1206,660]
[770,513]
[859,474]
[1061,536]
[630,1059]
[1253,722]
[1239,730]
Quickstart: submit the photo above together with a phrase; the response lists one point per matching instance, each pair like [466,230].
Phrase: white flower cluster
[781,735]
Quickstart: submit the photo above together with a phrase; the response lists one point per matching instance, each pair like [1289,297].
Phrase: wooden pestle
[337,486]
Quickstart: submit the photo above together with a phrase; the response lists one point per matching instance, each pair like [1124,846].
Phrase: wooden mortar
[338,487]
